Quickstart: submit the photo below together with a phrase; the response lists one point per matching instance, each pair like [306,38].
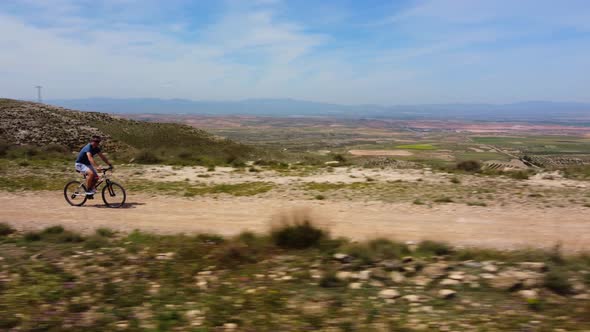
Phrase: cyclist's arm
[105,159]
[92,162]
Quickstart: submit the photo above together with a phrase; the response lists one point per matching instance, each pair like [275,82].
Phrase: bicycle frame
[102,179]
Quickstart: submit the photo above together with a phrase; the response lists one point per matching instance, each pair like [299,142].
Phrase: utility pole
[38,87]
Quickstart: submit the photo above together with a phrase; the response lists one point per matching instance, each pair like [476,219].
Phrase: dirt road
[505,228]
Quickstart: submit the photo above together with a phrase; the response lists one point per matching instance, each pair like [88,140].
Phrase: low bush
[146,157]
[53,230]
[56,149]
[434,247]
[5,229]
[444,200]
[557,281]
[469,166]
[4,147]
[329,279]
[32,236]
[105,232]
[298,234]
[519,175]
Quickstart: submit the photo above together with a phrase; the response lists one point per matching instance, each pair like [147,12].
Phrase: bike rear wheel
[113,195]
[75,193]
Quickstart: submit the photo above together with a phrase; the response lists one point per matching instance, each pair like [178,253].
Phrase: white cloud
[251,50]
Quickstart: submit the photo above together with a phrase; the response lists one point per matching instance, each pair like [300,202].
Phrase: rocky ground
[57,280]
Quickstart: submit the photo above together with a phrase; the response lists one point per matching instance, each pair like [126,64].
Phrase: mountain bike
[113,194]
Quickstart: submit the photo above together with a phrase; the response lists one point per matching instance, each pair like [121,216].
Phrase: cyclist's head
[95,140]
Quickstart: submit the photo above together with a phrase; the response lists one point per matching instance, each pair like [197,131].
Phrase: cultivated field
[303,224]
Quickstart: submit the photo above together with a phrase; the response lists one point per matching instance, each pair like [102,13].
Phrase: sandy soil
[228,175]
[498,227]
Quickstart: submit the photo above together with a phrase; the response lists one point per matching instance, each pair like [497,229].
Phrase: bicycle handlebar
[104,170]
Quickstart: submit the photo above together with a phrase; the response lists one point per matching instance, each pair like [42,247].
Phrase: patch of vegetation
[434,248]
[6,229]
[557,280]
[147,157]
[105,232]
[444,199]
[297,234]
[205,282]
[577,172]
[477,203]
[416,147]
[328,186]
[238,189]
[471,166]
[31,182]
[518,175]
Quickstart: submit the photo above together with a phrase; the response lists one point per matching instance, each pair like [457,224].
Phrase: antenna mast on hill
[38,87]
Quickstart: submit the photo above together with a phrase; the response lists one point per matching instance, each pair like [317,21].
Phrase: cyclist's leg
[89,179]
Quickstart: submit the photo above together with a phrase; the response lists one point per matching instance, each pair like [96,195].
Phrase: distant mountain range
[525,111]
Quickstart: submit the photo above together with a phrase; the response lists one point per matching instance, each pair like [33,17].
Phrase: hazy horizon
[376,52]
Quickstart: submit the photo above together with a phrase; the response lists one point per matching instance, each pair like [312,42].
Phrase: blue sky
[350,52]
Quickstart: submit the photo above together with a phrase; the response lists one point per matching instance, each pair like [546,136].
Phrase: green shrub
[444,200]
[32,236]
[387,249]
[4,147]
[68,237]
[535,304]
[53,230]
[434,247]
[297,235]
[105,232]
[339,158]
[519,175]
[320,197]
[185,155]
[469,166]
[455,180]
[329,279]
[58,234]
[146,157]
[56,149]
[557,281]
[95,242]
[232,254]
[5,229]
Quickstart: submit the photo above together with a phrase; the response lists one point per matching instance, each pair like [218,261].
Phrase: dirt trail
[505,228]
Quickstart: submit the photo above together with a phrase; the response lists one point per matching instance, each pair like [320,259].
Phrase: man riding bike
[85,164]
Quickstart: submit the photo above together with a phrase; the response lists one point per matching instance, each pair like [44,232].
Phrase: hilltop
[34,124]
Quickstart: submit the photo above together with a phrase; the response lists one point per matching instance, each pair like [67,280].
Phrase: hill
[27,123]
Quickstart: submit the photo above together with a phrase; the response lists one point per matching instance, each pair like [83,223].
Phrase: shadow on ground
[131,205]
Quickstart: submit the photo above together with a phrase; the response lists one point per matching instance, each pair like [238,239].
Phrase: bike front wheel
[113,195]
[75,193]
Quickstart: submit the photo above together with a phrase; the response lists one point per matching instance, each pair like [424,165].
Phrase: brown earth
[496,227]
